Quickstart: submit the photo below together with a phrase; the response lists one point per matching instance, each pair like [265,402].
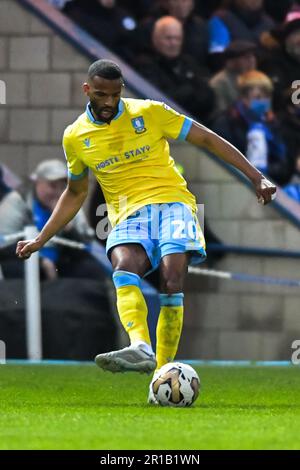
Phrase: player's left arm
[203,137]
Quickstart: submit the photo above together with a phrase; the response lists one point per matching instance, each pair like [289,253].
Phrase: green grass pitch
[81,407]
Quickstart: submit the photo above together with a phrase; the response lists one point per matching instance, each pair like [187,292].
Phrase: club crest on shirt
[87,142]
[138,124]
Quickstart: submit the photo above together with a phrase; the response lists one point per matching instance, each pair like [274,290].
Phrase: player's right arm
[68,204]
[65,210]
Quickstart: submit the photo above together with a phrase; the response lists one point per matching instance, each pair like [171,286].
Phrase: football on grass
[175,384]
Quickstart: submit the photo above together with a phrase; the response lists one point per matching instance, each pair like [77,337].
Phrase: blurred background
[232,65]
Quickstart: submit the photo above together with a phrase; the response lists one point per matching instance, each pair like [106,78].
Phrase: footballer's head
[103,87]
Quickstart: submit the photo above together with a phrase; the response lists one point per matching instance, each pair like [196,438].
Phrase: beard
[103,113]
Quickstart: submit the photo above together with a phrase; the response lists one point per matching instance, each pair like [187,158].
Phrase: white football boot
[132,358]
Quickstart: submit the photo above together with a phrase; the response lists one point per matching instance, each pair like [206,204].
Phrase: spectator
[292,189]
[59,4]
[105,20]
[35,206]
[245,19]
[144,8]
[283,66]
[8,181]
[239,58]
[195,29]
[278,9]
[290,126]
[205,8]
[251,126]
[174,73]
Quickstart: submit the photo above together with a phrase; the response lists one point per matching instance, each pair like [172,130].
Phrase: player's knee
[126,266]
[172,285]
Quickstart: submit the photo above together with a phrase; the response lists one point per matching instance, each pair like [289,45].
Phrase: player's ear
[86,88]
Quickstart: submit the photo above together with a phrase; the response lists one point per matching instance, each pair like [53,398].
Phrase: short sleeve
[76,168]
[172,124]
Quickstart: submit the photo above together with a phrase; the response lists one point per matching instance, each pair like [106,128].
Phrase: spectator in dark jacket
[194,27]
[106,21]
[245,19]
[251,126]
[283,67]
[290,127]
[174,73]
[239,58]
[278,9]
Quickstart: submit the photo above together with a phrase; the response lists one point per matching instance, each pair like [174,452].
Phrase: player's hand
[265,191]
[25,248]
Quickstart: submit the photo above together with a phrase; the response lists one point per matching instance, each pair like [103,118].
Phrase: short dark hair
[106,69]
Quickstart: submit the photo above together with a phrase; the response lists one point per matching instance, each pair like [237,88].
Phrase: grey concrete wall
[224,320]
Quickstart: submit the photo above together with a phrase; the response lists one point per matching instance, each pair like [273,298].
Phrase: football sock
[132,307]
[169,327]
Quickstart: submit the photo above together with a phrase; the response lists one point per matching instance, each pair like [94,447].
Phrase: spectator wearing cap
[283,66]
[106,21]
[175,73]
[251,126]
[244,19]
[239,58]
[33,206]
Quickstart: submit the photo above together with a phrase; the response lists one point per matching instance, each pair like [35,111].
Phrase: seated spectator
[251,126]
[239,58]
[33,207]
[290,127]
[244,19]
[144,8]
[106,21]
[174,73]
[283,66]
[195,30]
[206,8]
[278,9]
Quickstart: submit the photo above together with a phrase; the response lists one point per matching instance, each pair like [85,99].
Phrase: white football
[175,384]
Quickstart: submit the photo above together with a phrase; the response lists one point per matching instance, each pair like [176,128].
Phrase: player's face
[104,97]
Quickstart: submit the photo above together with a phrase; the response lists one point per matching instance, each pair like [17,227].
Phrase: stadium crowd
[231,64]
